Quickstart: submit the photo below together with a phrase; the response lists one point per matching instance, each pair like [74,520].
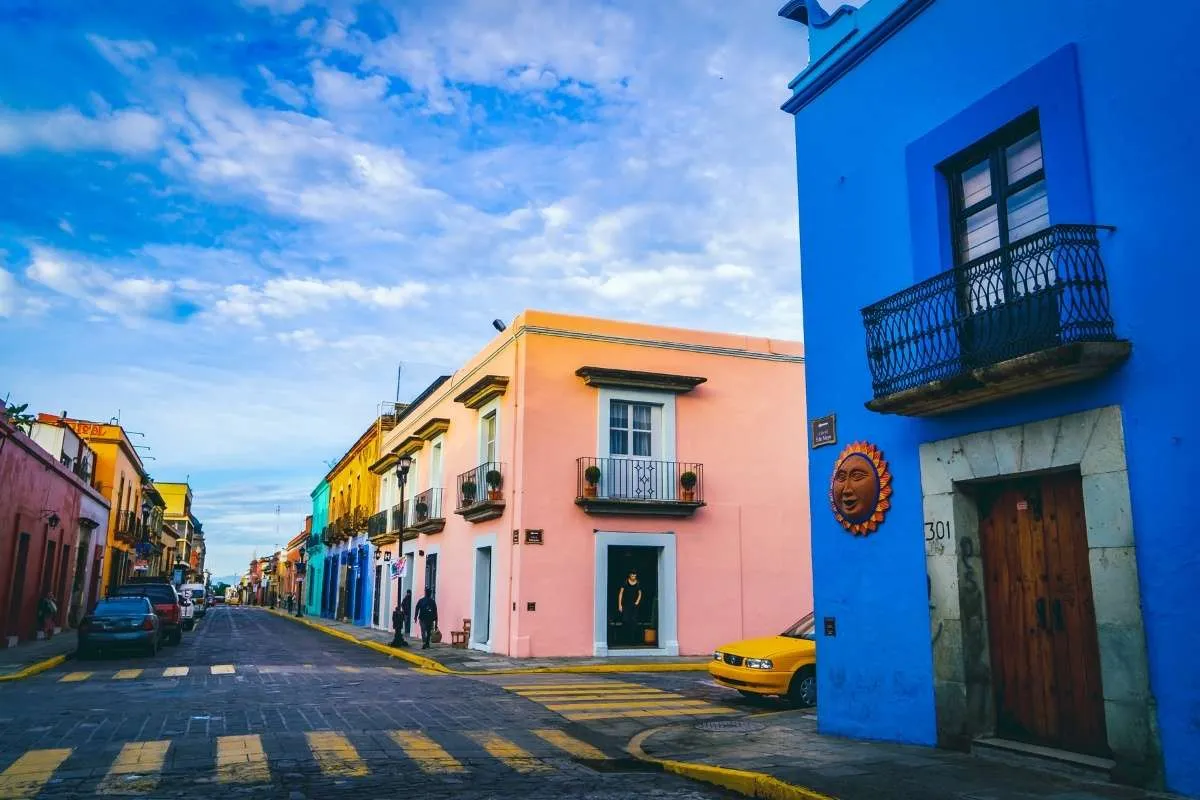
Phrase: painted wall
[743,559]
[32,485]
[1118,151]
[316,551]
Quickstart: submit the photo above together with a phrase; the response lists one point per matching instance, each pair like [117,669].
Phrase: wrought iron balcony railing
[396,519]
[637,480]
[480,492]
[1045,290]
[377,524]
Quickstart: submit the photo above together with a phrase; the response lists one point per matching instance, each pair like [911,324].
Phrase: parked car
[120,622]
[187,619]
[166,605]
[199,597]
[783,665]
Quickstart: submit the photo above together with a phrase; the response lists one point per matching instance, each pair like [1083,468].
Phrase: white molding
[668,603]
[485,540]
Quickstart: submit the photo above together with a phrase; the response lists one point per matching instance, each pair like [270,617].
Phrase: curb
[436,666]
[34,669]
[744,782]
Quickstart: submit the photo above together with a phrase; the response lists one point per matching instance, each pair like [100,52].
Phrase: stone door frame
[1092,442]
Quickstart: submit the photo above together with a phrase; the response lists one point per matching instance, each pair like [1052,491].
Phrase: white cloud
[291,297]
[8,293]
[126,297]
[282,90]
[130,132]
[125,55]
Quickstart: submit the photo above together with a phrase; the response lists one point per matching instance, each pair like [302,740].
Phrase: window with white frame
[488,433]
[435,464]
[631,429]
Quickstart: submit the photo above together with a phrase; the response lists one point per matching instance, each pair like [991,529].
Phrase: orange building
[119,476]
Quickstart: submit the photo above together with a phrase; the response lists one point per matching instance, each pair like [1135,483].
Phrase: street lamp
[300,582]
[402,467]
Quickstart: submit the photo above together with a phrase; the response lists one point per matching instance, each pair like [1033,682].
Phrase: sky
[227,222]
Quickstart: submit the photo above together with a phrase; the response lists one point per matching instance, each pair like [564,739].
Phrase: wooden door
[1041,618]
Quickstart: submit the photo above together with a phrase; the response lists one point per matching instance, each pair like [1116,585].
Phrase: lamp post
[402,467]
[299,583]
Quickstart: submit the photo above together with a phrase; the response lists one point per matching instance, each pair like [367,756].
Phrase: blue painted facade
[315,552]
[893,90]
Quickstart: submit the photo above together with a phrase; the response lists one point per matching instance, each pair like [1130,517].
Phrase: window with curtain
[630,429]
[489,437]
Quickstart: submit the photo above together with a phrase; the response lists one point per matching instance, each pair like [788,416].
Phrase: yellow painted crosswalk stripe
[430,756]
[530,687]
[629,697]
[511,754]
[74,677]
[126,674]
[136,769]
[175,672]
[634,705]
[222,669]
[240,759]
[335,755]
[564,741]
[26,776]
[659,712]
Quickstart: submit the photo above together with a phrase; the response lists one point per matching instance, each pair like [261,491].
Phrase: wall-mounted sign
[516,537]
[830,626]
[387,555]
[533,536]
[860,490]
[823,431]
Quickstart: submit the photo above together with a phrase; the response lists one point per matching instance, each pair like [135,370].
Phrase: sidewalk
[30,658]
[474,662]
[782,756]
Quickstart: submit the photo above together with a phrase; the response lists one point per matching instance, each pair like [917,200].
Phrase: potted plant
[592,476]
[688,481]
[422,509]
[468,489]
[494,479]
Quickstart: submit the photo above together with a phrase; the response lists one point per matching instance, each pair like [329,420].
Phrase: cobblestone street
[253,705]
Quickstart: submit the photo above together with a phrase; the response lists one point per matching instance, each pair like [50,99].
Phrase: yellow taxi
[783,665]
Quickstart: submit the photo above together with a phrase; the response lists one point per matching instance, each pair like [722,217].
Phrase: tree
[16,415]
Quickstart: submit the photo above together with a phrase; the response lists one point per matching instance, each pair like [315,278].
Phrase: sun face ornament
[861,488]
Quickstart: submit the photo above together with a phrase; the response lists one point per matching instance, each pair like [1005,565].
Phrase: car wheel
[802,692]
[175,637]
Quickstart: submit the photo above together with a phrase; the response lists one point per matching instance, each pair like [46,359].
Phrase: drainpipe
[519,374]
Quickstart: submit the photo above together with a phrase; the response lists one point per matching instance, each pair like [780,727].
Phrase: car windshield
[157,594]
[804,629]
[125,605]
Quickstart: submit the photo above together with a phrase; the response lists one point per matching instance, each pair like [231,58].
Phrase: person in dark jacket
[426,617]
[400,620]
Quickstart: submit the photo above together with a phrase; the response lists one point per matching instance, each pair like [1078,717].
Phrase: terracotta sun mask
[861,488]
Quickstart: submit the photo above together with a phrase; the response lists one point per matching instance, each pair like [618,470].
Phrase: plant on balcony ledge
[688,481]
[422,510]
[494,480]
[468,492]
[592,476]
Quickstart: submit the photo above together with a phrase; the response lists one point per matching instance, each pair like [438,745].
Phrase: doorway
[481,622]
[379,585]
[632,585]
[1042,632]
[17,598]
[431,574]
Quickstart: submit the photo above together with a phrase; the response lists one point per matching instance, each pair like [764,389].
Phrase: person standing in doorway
[426,617]
[47,610]
[629,602]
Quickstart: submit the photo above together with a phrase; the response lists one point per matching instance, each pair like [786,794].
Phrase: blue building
[996,208]
[315,552]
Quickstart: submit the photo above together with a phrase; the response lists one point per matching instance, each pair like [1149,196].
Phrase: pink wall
[743,559]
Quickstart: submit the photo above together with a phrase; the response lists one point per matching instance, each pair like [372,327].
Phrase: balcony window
[631,429]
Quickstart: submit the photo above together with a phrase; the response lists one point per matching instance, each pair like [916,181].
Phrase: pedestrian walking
[47,611]
[406,609]
[427,616]
[400,617]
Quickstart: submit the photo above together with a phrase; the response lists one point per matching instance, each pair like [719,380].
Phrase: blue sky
[229,225]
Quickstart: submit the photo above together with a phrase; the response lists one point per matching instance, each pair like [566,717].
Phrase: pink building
[574,451]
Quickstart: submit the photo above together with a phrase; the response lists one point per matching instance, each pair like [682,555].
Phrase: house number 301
[937,531]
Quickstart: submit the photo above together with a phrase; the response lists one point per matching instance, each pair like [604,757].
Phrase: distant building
[997,211]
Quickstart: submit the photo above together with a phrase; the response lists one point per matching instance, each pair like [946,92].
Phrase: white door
[482,620]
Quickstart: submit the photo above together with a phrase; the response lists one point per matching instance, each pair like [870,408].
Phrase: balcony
[425,513]
[480,492]
[378,531]
[635,486]
[125,526]
[1025,318]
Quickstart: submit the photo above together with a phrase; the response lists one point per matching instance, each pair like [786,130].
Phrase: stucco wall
[1118,151]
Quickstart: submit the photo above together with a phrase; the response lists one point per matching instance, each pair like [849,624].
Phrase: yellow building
[182,527]
[120,475]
